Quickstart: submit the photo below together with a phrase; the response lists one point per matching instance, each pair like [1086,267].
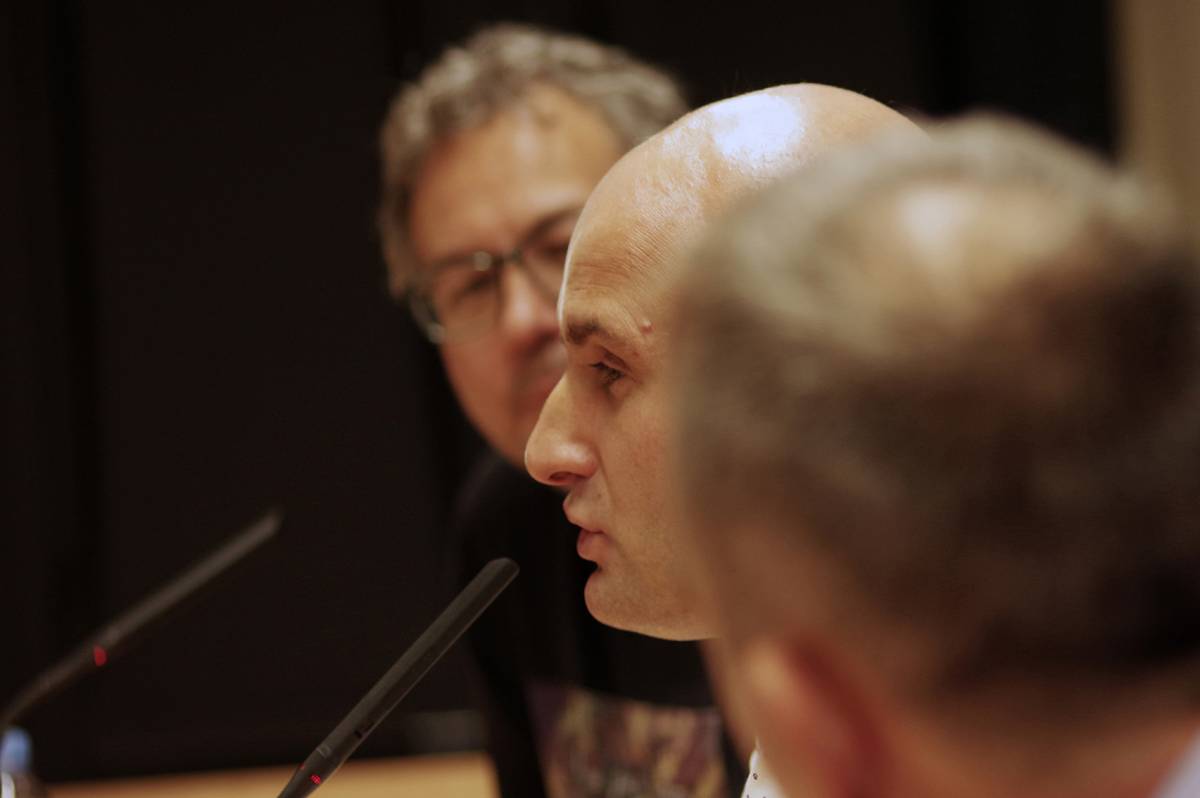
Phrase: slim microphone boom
[401,677]
[95,652]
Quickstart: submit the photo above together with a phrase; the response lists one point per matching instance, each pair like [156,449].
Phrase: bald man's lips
[590,544]
[591,541]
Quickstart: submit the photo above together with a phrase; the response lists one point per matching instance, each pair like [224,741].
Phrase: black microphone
[401,677]
[95,652]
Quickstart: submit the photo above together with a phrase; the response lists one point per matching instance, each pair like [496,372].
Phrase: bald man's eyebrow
[579,332]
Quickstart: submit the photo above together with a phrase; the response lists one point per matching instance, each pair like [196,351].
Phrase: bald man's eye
[608,374]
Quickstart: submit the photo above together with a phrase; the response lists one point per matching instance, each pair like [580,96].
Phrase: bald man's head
[653,201]
[602,433]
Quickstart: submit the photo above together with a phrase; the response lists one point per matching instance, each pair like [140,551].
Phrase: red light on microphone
[315,779]
[99,656]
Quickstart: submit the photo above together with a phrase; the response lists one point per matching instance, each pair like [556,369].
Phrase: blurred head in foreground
[488,157]
[602,433]
[939,438]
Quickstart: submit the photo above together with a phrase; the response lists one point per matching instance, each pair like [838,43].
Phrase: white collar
[759,782]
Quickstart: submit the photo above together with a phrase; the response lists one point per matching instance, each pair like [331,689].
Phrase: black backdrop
[194,326]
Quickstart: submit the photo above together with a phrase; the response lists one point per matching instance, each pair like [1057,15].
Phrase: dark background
[195,326]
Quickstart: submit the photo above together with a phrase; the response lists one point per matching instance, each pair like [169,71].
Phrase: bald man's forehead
[655,176]
[622,248]
[640,215]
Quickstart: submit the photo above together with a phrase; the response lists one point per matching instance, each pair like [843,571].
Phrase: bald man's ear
[815,735]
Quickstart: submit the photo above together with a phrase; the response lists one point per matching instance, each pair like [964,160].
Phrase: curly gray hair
[470,83]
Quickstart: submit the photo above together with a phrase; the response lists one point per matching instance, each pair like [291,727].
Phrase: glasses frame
[420,302]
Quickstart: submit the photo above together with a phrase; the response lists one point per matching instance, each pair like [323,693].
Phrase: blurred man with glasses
[488,158]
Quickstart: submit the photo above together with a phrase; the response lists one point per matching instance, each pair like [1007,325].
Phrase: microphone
[95,652]
[412,666]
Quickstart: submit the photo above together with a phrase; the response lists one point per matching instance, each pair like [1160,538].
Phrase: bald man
[602,434]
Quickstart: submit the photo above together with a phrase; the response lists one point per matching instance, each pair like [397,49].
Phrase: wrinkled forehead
[634,229]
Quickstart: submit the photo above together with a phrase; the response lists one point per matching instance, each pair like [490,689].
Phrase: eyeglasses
[460,298]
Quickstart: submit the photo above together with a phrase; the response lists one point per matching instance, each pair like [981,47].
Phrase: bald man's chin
[615,605]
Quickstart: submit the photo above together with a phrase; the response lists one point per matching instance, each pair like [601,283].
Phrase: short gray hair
[471,83]
[997,441]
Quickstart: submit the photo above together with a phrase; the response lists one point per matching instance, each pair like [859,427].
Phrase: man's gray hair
[967,372]
[471,83]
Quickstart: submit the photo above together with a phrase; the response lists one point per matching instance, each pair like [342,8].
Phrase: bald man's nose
[556,454]
[526,310]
